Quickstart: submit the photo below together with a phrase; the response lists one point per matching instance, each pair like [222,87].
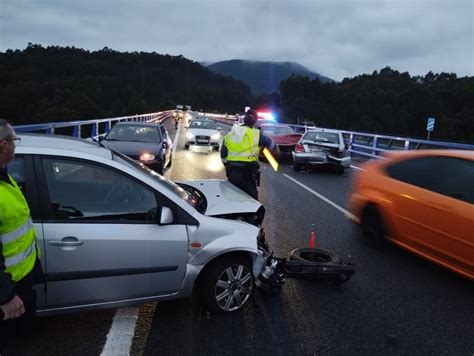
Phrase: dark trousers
[245,179]
[22,325]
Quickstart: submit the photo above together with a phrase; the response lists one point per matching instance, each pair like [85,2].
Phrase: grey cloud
[337,38]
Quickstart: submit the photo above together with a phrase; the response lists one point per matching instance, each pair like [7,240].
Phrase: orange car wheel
[373,230]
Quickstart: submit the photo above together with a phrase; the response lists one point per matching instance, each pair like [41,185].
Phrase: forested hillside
[41,84]
[386,101]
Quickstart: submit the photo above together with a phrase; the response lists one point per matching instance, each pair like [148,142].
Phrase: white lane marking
[358,168]
[120,336]
[322,197]
[173,152]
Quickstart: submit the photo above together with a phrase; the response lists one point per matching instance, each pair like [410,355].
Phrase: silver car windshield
[203,124]
[165,183]
[321,136]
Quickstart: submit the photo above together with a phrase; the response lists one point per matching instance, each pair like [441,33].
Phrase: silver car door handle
[67,242]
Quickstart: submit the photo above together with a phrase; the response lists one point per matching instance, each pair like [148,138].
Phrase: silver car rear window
[321,136]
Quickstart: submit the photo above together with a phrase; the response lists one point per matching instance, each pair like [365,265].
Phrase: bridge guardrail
[361,144]
[91,128]
[369,145]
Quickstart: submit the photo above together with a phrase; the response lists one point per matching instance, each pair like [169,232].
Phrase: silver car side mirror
[166,216]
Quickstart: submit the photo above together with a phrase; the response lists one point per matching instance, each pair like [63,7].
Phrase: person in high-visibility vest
[239,153]
[19,253]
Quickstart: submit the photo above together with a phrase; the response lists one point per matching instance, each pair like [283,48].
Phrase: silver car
[321,147]
[113,232]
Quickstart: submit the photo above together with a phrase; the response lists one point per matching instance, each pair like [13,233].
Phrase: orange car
[422,201]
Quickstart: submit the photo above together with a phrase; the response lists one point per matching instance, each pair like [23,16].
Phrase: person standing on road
[239,153]
[19,253]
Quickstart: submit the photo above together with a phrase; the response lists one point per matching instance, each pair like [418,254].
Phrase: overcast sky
[336,38]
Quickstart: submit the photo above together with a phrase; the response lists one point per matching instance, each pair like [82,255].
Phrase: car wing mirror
[166,216]
[101,138]
[346,146]
[219,128]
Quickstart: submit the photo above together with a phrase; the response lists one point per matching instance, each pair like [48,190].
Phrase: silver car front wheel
[228,284]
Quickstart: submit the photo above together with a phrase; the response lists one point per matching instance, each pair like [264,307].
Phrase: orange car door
[433,208]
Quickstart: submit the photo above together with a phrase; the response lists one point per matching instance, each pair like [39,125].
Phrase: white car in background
[203,132]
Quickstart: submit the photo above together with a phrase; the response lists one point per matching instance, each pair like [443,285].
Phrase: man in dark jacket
[239,153]
[19,253]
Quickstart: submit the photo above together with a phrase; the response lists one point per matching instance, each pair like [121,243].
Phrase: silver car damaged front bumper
[320,158]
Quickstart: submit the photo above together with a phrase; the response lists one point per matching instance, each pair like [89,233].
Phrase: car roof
[467,154]
[31,142]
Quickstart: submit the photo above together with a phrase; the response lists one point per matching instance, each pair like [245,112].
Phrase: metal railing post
[95,129]
[77,131]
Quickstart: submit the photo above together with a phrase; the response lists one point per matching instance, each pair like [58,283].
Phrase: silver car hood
[224,197]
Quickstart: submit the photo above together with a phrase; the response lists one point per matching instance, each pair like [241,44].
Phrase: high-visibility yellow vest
[242,144]
[17,233]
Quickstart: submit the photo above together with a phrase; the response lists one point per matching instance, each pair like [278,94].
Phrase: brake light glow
[299,147]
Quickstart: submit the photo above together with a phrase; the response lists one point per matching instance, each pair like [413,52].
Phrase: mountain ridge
[263,77]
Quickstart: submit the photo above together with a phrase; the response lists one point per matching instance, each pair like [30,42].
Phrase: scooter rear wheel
[311,256]
[330,264]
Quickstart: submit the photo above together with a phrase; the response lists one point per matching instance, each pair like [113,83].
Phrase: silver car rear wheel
[228,285]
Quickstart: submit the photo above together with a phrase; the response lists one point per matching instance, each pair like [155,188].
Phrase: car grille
[203,140]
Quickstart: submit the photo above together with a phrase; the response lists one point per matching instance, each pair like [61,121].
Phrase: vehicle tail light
[299,147]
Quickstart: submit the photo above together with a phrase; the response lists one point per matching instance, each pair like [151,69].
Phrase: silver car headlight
[189,135]
[215,137]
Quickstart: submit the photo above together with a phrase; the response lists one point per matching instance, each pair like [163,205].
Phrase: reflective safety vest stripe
[245,150]
[23,229]
[17,233]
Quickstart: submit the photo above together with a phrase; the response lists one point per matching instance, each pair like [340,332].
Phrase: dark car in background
[148,143]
